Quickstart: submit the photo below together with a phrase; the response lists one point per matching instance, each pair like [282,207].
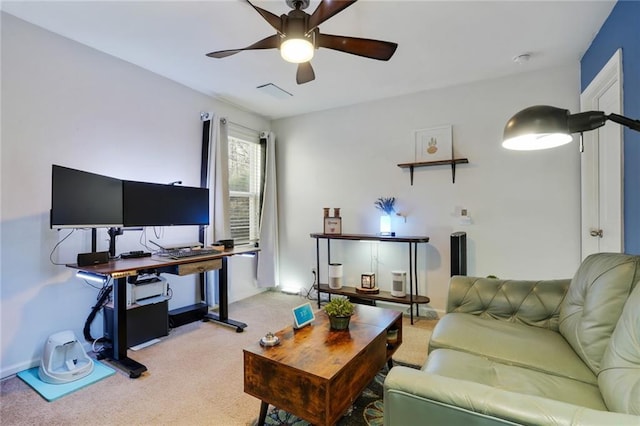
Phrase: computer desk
[120,270]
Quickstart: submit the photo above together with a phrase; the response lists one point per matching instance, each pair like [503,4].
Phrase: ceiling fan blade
[271,42]
[325,10]
[272,19]
[305,73]
[374,49]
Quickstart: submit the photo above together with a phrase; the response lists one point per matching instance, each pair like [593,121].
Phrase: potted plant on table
[339,311]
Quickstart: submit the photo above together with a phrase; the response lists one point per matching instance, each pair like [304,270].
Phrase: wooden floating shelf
[452,162]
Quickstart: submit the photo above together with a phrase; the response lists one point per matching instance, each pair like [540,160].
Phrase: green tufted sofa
[555,352]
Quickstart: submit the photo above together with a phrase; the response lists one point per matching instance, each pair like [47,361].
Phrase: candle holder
[368,280]
[368,284]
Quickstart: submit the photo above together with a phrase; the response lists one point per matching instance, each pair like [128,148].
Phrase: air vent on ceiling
[275,91]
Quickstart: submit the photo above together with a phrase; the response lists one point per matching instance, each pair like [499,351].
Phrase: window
[245,185]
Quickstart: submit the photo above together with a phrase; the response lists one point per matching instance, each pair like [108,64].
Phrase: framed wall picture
[434,144]
[333,225]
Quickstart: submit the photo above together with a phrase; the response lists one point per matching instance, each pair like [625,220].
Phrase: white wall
[64,103]
[524,205]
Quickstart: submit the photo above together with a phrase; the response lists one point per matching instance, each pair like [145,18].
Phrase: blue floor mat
[51,392]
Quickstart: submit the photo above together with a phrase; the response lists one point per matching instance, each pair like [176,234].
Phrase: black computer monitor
[154,204]
[81,199]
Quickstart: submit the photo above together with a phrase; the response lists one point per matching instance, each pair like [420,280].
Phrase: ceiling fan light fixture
[298,36]
[296,50]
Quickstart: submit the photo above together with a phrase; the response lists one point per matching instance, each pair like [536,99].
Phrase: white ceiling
[441,43]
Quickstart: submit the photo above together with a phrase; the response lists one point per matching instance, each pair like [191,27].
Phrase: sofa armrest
[411,394]
[534,303]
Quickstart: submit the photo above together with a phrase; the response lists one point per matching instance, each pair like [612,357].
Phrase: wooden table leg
[263,413]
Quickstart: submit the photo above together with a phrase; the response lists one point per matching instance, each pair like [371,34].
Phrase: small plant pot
[339,323]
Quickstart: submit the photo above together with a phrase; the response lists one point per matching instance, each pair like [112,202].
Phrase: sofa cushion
[534,303]
[592,306]
[414,397]
[510,343]
[460,365]
[619,378]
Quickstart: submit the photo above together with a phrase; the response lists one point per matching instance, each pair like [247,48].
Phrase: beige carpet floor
[195,376]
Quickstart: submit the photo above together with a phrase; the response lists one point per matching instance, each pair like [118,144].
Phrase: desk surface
[122,266]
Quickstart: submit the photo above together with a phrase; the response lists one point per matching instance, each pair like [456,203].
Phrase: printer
[146,288]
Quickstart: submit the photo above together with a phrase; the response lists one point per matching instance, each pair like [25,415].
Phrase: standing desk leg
[223,293]
[119,350]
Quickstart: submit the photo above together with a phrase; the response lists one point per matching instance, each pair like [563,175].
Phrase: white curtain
[218,184]
[218,181]
[268,255]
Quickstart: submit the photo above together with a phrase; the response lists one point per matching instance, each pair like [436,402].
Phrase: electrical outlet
[464,218]
[313,270]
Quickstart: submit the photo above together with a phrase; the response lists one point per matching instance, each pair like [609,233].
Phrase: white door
[601,165]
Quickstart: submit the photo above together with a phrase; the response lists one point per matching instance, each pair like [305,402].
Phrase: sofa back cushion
[619,378]
[535,303]
[594,302]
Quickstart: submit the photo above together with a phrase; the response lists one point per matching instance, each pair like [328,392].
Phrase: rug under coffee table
[317,373]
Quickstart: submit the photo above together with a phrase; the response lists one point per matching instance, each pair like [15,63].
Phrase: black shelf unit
[413,298]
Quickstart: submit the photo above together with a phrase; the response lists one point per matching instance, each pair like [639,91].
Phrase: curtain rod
[225,120]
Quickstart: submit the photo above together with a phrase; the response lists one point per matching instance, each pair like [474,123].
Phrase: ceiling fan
[298,36]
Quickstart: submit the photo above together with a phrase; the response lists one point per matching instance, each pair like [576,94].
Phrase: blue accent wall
[622,30]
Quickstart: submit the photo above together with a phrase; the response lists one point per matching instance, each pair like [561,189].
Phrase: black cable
[312,288]
[56,247]
[102,299]
[308,295]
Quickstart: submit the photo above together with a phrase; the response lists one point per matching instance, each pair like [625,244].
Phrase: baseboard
[16,368]
[35,362]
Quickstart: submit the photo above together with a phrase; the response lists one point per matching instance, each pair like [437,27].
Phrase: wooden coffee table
[317,373]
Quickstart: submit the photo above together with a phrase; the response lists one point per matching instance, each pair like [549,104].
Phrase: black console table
[119,270]
[413,298]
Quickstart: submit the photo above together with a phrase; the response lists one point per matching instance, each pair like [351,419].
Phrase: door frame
[590,166]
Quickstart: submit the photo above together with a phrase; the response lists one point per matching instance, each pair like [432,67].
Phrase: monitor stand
[113,233]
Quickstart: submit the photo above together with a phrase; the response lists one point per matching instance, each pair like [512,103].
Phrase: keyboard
[181,254]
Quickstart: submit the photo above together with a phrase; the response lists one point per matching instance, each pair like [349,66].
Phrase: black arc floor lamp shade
[543,126]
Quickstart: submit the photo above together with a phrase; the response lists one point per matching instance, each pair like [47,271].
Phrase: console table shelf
[382,295]
[412,298]
[453,163]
